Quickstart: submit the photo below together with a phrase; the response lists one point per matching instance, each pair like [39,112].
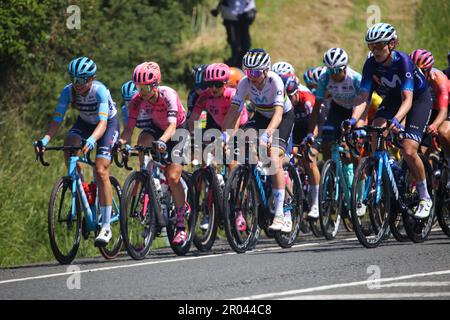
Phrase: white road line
[417,284]
[141,264]
[340,285]
[371,296]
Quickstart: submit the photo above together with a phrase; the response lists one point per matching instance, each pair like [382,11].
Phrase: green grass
[298,31]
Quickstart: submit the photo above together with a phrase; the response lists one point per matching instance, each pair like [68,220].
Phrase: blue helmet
[82,67]
[291,85]
[198,74]
[128,90]
[307,75]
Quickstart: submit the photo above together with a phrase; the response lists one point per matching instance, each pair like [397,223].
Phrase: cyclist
[437,81]
[283,69]
[342,83]
[274,111]
[311,77]
[447,70]
[198,74]
[407,98]
[167,114]
[128,91]
[216,100]
[97,123]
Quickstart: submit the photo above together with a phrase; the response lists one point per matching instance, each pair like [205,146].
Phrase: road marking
[340,285]
[141,264]
[370,296]
[416,284]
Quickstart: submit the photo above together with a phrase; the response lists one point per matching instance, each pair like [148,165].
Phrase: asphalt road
[312,269]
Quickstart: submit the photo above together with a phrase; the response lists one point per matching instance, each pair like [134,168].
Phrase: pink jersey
[167,109]
[217,107]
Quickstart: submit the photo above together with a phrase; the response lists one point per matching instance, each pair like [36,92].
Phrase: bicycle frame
[90,211]
[340,176]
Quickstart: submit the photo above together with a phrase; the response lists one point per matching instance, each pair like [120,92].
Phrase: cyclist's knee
[410,149]
[102,168]
[444,130]
[173,174]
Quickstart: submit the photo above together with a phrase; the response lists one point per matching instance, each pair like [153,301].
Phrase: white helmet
[256,59]
[317,73]
[380,32]
[335,58]
[281,68]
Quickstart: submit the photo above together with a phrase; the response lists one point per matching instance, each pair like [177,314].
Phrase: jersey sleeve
[322,86]
[407,74]
[170,98]
[241,91]
[278,98]
[366,84]
[63,104]
[199,106]
[102,98]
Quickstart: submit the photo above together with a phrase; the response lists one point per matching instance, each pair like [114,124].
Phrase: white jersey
[265,100]
[344,93]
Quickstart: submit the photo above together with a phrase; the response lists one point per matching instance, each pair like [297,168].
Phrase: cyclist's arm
[405,107]
[58,116]
[231,118]
[196,112]
[440,87]
[361,107]
[133,113]
[169,132]
[275,121]
[124,115]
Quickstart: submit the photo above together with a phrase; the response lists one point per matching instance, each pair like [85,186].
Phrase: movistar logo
[260,100]
[393,83]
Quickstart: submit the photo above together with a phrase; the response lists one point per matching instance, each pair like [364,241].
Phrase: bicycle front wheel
[64,230]
[240,202]
[369,216]
[330,200]
[137,215]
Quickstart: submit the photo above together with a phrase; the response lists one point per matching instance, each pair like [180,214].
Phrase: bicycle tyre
[110,252]
[286,240]
[63,185]
[364,232]
[240,175]
[325,213]
[190,220]
[137,180]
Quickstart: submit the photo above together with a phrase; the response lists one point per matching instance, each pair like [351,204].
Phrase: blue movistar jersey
[401,75]
[95,106]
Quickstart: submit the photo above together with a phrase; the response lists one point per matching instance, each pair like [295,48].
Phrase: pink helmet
[422,58]
[217,72]
[147,73]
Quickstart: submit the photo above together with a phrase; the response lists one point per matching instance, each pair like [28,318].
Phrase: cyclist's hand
[161,146]
[431,129]
[89,145]
[308,140]
[396,126]
[265,138]
[121,142]
[347,124]
[39,147]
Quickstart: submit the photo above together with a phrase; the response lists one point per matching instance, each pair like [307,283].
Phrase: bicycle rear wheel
[293,201]
[370,219]
[64,231]
[208,201]
[418,230]
[189,220]
[137,215]
[240,198]
[330,200]
[111,250]
[443,201]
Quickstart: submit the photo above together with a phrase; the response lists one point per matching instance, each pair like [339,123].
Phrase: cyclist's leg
[80,130]
[416,122]
[102,164]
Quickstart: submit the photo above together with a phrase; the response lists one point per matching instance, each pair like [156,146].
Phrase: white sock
[106,216]
[278,198]
[314,194]
[423,191]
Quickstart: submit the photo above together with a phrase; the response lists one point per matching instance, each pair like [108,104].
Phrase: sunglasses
[378,46]
[337,70]
[81,81]
[217,84]
[254,73]
[146,87]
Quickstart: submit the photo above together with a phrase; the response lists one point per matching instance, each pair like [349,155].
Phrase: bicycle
[147,205]
[335,188]
[209,183]
[66,215]
[441,184]
[382,195]
[247,192]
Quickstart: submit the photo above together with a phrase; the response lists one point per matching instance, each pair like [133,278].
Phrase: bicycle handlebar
[72,149]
